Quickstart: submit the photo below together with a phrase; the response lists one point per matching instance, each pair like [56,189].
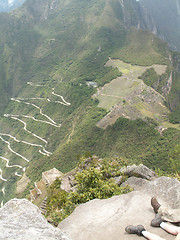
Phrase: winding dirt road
[49,121]
[10,166]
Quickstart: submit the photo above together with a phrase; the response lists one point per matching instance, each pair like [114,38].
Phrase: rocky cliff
[96,219]
[107,219]
[22,220]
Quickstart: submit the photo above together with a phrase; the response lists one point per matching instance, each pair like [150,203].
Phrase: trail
[1,177]
[64,101]
[30,98]
[40,110]
[25,128]
[7,163]
[31,144]
[17,154]
[33,118]
[3,190]
[71,134]
[44,99]
[48,121]
[33,84]
[18,175]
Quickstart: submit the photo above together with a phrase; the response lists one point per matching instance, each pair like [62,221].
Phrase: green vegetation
[174,117]
[91,183]
[135,140]
[95,179]
[62,48]
[142,48]
[174,156]
[173,98]
[150,77]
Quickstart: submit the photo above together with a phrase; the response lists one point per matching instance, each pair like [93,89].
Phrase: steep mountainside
[166,18]
[54,58]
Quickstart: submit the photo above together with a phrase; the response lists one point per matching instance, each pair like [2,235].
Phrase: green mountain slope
[52,54]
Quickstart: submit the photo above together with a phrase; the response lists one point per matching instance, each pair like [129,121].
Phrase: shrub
[91,183]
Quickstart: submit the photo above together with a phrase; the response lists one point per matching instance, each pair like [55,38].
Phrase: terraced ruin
[129,97]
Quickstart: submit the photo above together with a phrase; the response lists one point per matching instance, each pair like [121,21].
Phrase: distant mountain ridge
[161,19]
[166,18]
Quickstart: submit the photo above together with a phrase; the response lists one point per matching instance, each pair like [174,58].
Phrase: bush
[91,183]
[174,158]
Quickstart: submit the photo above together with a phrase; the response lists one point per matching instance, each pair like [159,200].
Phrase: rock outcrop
[107,219]
[22,220]
[140,171]
[168,189]
[97,219]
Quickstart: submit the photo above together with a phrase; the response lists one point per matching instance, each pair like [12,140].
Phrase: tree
[174,158]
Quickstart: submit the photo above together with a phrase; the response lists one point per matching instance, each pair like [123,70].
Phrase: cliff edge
[97,219]
[107,219]
[22,220]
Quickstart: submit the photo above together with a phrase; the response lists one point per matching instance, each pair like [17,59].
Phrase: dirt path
[48,121]
[52,122]
[1,177]
[9,146]
[45,152]
[64,101]
[10,166]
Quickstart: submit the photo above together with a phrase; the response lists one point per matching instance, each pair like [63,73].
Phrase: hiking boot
[156,221]
[155,204]
[135,229]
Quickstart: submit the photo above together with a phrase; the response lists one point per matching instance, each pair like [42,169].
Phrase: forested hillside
[61,65]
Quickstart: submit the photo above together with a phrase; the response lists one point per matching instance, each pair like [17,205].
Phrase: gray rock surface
[22,220]
[139,171]
[107,219]
[136,183]
[96,220]
[118,180]
[167,189]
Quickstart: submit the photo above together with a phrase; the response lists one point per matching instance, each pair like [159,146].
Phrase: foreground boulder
[167,189]
[107,219]
[22,220]
[95,220]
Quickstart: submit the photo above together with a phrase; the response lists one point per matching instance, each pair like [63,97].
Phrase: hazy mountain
[9,5]
[166,18]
